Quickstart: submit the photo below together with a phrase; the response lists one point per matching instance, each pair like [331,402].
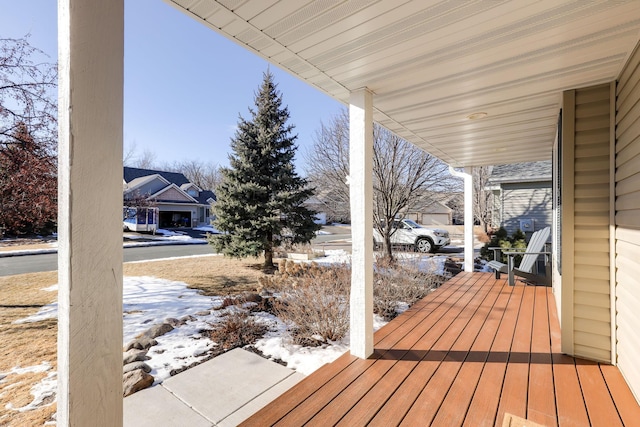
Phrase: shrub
[312,301]
[237,329]
[400,283]
[502,240]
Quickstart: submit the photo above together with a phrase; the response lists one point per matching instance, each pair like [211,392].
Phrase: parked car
[408,232]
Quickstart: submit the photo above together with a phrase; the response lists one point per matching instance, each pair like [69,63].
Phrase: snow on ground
[148,301]
[208,228]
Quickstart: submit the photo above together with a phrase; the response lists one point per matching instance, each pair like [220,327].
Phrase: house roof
[435,68]
[521,172]
[142,180]
[135,177]
[176,178]
[205,195]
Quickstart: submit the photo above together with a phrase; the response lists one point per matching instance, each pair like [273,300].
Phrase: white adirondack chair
[530,255]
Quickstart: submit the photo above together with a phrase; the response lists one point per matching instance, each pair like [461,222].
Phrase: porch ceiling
[431,64]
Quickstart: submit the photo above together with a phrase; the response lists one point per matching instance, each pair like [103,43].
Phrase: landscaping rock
[134,356]
[174,322]
[136,365]
[141,343]
[188,318]
[135,381]
[158,330]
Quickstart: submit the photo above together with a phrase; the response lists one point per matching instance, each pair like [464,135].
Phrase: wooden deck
[471,352]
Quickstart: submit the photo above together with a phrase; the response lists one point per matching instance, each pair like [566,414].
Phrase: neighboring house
[180,202]
[318,206]
[430,212]
[522,196]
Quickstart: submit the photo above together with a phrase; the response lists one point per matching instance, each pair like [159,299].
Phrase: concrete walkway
[223,391]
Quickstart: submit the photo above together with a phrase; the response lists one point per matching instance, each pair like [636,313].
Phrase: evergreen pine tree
[261,197]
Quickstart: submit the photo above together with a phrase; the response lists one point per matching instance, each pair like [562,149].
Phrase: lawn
[34,344]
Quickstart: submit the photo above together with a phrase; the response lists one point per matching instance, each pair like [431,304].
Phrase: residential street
[49,262]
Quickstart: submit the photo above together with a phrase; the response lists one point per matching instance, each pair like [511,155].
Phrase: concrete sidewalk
[221,392]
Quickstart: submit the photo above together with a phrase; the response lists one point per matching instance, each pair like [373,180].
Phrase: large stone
[141,343]
[136,365]
[174,322]
[158,330]
[134,355]
[135,381]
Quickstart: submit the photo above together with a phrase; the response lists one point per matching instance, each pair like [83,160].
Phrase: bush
[237,329]
[400,283]
[312,301]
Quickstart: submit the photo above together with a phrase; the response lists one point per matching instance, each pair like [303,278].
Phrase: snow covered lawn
[149,301]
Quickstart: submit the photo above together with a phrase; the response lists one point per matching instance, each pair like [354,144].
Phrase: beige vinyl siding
[627,244]
[586,180]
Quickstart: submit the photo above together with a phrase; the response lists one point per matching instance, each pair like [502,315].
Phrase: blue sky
[185,85]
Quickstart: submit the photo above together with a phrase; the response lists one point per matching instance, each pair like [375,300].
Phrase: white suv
[408,232]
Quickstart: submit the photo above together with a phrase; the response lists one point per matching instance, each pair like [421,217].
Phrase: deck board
[541,402]
[469,353]
[513,399]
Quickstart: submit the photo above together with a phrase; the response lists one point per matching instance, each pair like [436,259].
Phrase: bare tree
[207,176]
[129,154]
[147,160]
[403,174]
[327,166]
[482,206]
[27,94]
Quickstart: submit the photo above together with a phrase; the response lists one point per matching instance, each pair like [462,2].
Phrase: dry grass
[31,344]
[213,275]
[24,345]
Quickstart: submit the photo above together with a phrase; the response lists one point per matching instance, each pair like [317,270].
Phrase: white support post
[361,195]
[91,58]
[467,177]
[468,220]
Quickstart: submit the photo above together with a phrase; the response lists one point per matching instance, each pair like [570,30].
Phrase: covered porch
[472,353]
[474,83]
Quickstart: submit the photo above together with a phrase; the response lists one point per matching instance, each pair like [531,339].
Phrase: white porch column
[361,195]
[91,56]
[467,177]
[468,220]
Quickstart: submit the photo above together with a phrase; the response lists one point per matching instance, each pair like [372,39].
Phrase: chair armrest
[512,253]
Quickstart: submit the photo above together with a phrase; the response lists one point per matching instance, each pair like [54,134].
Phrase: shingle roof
[174,177]
[522,172]
[131,174]
[206,195]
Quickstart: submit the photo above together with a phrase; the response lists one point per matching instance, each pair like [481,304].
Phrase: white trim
[361,200]
[568,211]
[174,186]
[612,221]
[187,185]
